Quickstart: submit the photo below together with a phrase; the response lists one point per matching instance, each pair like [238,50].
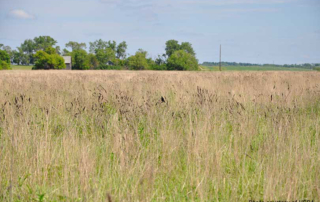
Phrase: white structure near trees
[67,61]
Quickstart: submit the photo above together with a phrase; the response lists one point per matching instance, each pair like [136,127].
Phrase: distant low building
[67,61]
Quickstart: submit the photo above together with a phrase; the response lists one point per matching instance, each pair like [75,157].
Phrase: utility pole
[220,59]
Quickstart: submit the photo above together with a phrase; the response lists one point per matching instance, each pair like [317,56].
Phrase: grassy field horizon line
[210,68]
[251,68]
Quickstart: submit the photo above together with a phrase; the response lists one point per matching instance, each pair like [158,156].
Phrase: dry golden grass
[159,136]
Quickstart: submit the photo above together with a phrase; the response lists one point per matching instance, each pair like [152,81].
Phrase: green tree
[93,61]
[119,62]
[57,62]
[181,60]
[43,42]
[173,46]
[97,45]
[160,60]
[4,65]
[58,50]
[151,63]
[112,45]
[105,55]
[80,59]
[50,50]
[4,56]
[9,51]
[159,63]
[16,57]
[186,46]
[42,60]
[121,50]
[65,52]
[145,53]
[4,60]
[19,57]
[48,59]
[76,46]
[25,59]
[28,48]
[138,61]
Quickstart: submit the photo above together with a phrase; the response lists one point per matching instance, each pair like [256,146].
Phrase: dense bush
[4,60]
[105,55]
[138,61]
[93,61]
[80,60]
[181,60]
[317,68]
[4,56]
[4,65]
[48,60]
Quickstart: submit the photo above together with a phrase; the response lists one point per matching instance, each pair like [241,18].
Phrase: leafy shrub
[138,61]
[93,61]
[4,56]
[48,60]
[4,65]
[181,60]
[80,60]
[58,62]
[119,62]
[105,55]
[4,60]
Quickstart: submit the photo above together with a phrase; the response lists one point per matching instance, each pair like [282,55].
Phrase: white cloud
[20,14]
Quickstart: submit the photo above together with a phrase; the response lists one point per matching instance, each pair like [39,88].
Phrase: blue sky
[256,31]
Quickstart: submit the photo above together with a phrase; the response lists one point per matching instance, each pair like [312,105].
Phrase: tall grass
[253,68]
[159,136]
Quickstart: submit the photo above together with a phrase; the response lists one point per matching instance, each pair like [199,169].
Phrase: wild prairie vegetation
[159,136]
[253,68]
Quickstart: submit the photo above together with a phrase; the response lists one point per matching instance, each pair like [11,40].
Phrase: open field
[159,136]
[252,68]
[21,67]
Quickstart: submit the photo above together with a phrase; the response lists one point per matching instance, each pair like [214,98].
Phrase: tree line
[305,65]
[43,53]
